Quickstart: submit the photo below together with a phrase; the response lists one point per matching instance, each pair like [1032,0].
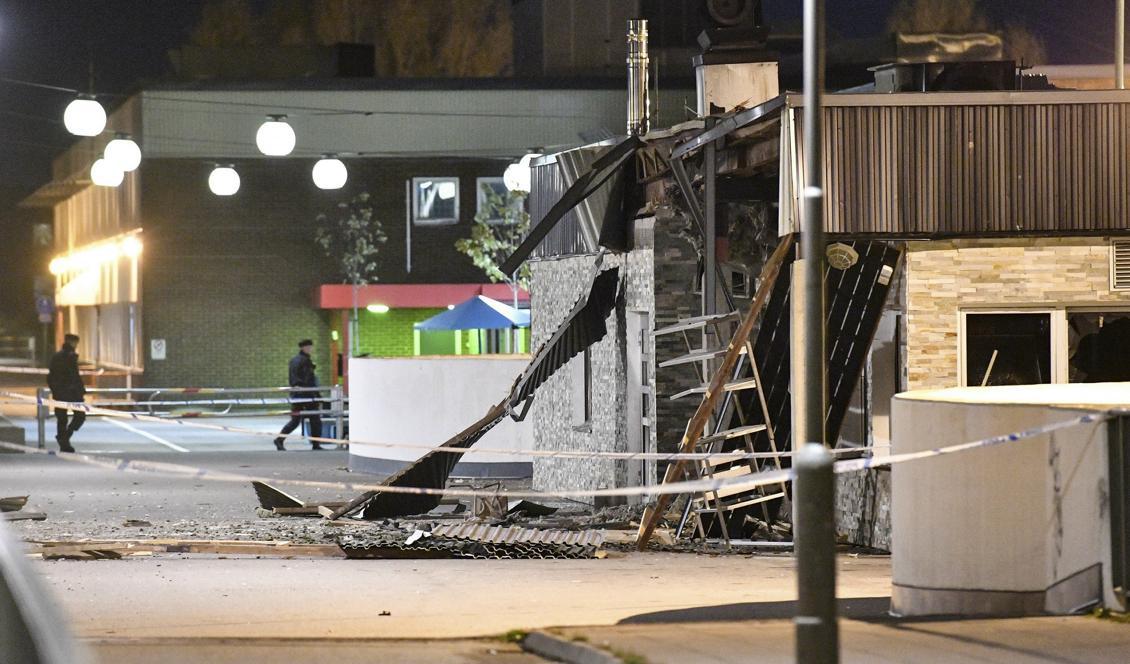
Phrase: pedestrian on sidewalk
[302,375]
[66,385]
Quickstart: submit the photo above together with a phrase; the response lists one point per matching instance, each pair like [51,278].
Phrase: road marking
[146,434]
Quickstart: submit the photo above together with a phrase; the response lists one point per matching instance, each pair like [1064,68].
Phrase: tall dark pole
[817,637]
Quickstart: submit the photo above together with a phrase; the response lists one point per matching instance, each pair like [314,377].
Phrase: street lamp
[123,153]
[330,173]
[223,180]
[275,137]
[105,174]
[84,117]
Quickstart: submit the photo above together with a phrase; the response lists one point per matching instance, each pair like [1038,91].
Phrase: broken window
[1097,346]
[1008,348]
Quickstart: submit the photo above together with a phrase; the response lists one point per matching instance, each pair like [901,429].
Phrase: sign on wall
[156,349]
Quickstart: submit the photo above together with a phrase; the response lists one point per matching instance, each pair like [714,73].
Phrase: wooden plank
[24,516]
[653,513]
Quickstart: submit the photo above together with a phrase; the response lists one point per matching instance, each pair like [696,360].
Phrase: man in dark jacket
[66,385]
[302,375]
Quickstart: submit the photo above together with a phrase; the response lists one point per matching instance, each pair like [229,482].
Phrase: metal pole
[41,416]
[817,634]
[710,250]
[1120,44]
[817,639]
[339,406]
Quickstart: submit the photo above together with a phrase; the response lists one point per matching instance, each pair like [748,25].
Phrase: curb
[570,652]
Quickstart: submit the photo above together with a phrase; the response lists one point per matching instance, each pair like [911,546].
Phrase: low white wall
[425,401]
[1018,528]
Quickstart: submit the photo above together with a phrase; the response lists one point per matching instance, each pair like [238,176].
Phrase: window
[1008,348]
[1097,343]
[581,375]
[495,184]
[435,201]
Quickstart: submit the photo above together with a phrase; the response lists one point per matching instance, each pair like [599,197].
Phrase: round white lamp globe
[517,175]
[123,153]
[84,117]
[330,173]
[105,174]
[275,137]
[223,181]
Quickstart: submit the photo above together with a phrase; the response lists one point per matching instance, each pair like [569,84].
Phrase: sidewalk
[1082,640]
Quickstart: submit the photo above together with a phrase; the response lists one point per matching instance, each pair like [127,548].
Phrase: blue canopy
[478,313]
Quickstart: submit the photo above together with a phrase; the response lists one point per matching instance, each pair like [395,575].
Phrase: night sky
[53,42]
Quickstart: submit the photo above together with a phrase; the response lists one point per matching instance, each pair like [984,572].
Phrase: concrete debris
[12,503]
[136,523]
[24,516]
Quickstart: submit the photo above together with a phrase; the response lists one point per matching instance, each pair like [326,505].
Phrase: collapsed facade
[1000,215]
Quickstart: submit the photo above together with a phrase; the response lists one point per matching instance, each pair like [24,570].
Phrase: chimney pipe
[639,110]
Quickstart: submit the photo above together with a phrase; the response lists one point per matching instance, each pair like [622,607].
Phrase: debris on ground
[12,503]
[471,540]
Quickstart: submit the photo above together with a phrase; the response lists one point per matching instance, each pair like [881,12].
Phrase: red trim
[411,296]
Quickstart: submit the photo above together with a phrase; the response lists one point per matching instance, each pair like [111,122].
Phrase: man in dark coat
[66,385]
[302,375]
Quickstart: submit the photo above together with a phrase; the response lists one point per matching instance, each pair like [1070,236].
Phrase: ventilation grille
[1120,265]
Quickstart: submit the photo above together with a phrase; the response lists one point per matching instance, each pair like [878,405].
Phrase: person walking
[302,375]
[66,385]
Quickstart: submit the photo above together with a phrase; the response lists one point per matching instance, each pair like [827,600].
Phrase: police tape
[703,485]
[552,454]
[262,401]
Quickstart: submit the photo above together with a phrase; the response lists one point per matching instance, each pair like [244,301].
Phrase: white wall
[425,401]
[1015,528]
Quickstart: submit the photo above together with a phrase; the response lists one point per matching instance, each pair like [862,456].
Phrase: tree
[1020,43]
[497,231]
[352,238]
[453,38]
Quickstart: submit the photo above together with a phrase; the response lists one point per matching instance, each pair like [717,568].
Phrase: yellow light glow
[377,308]
[130,247]
[94,255]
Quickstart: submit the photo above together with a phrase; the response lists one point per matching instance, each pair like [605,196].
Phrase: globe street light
[123,153]
[517,175]
[330,173]
[275,137]
[105,174]
[84,117]
[223,180]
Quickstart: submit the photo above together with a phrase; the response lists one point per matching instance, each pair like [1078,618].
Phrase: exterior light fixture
[517,175]
[330,173]
[84,117]
[123,153]
[105,174]
[333,335]
[377,308]
[57,266]
[275,137]
[223,180]
[841,256]
[450,307]
[130,247]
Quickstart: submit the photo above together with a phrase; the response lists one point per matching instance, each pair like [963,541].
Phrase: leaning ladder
[701,430]
[718,432]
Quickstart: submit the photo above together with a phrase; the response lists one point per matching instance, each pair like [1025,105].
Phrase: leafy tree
[352,238]
[411,37]
[497,231]
[1020,43]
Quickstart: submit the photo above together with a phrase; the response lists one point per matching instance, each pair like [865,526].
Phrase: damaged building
[976,236]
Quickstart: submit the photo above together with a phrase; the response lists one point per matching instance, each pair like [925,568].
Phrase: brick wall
[390,334]
[944,277]
[229,282]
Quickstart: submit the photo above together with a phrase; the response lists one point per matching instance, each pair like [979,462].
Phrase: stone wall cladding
[863,508]
[944,277]
[675,299]
[557,284]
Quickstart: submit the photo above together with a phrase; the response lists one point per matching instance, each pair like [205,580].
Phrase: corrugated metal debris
[468,540]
